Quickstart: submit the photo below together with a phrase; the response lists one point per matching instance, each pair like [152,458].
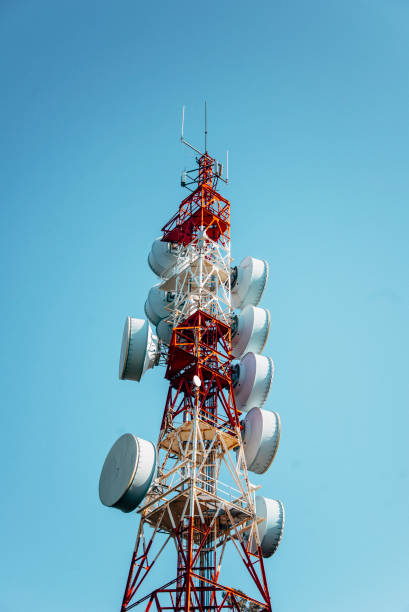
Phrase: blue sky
[311,99]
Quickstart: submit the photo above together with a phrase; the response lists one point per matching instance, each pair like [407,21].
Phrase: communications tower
[191,489]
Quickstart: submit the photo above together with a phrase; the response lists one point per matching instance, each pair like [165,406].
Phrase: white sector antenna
[127,473]
[248,282]
[261,436]
[252,380]
[139,350]
[159,304]
[250,330]
[162,256]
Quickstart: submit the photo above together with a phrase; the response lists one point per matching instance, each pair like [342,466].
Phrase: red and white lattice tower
[192,490]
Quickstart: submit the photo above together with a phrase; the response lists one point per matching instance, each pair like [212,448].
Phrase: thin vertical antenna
[205,126]
[182,137]
[227,166]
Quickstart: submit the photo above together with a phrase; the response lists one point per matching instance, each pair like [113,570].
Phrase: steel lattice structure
[201,499]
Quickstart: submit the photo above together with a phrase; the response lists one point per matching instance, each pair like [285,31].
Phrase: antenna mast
[191,489]
[205,127]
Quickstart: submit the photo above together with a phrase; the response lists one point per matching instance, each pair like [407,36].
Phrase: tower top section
[204,214]
[214,169]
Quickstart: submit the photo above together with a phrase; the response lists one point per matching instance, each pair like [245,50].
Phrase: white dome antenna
[252,380]
[139,351]
[250,330]
[248,281]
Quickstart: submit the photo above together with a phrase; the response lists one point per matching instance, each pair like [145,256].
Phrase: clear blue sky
[311,99]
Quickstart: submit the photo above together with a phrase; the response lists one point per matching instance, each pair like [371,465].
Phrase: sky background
[311,99]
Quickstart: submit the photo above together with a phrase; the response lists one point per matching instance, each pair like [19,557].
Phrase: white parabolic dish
[138,350]
[252,386]
[261,436]
[127,473]
[158,305]
[164,331]
[249,283]
[161,257]
[270,530]
[251,331]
